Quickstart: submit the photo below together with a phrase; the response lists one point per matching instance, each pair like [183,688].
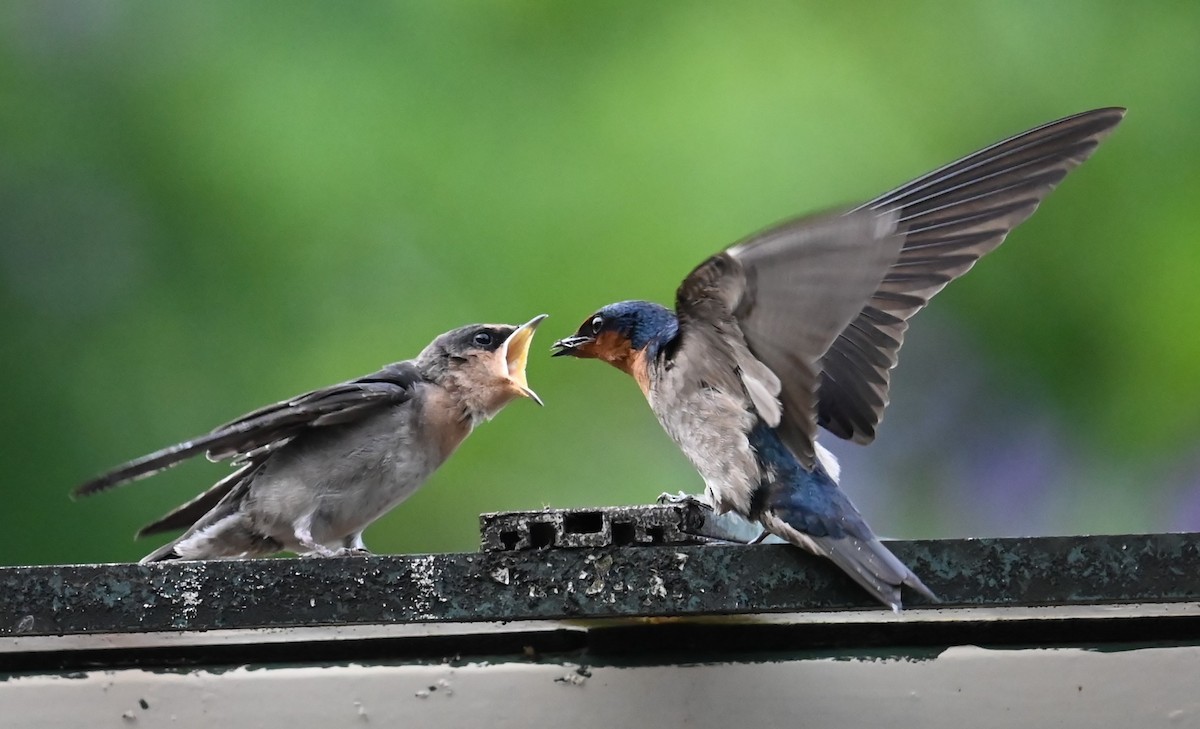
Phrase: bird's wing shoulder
[779,298]
[951,217]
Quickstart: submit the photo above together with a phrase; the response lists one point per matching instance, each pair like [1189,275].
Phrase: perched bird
[798,326]
[314,471]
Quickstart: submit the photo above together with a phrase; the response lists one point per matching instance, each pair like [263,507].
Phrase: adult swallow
[798,326]
[314,471]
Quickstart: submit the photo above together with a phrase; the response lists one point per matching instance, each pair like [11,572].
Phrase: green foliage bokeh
[206,207]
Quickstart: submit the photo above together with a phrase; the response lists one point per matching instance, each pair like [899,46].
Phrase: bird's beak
[568,346]
[516,352]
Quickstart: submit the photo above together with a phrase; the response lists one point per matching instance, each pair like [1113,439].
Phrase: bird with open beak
[314,471]
[798,327]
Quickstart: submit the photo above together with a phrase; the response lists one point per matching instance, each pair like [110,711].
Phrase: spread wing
[251,437]
[951,217]
[769,307]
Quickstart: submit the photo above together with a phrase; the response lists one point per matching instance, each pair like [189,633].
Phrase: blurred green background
[206,207]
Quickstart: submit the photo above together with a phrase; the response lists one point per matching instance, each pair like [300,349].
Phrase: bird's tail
[223,533]
[186,515]
[811,512]
[873,566]
[864,559]
[163,554]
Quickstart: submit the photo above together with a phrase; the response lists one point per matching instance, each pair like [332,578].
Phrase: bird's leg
[303,531]
[353,545]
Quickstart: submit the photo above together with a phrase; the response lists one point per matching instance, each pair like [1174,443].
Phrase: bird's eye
[597,324]
[483,339]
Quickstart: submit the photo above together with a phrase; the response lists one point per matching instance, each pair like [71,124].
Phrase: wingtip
[1105,111]
[1117,113]
[112,479]
[1108,117]
[88,488]
[1118,110]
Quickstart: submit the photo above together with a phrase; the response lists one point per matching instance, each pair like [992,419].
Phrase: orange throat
[616,351]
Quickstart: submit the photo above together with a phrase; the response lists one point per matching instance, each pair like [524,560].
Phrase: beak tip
[515,351]
[568,346]
[534,322]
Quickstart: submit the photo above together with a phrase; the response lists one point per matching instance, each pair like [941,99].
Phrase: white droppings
[423,572]
[189,595]
[501,575]
[576,677]
[658,588]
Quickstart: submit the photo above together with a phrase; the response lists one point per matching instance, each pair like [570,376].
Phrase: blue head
[623,334]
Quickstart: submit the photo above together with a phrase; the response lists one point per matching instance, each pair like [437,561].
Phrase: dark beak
[567,346]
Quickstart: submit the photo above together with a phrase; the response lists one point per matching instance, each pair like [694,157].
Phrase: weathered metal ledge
[582,583]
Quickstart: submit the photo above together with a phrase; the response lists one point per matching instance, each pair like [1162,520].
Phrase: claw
[680,497]
[324,552]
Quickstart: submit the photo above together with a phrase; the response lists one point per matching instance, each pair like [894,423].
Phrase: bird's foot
[325,552]
[680,498]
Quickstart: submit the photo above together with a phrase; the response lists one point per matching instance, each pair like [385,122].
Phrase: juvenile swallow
[314,471]
[798,327]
